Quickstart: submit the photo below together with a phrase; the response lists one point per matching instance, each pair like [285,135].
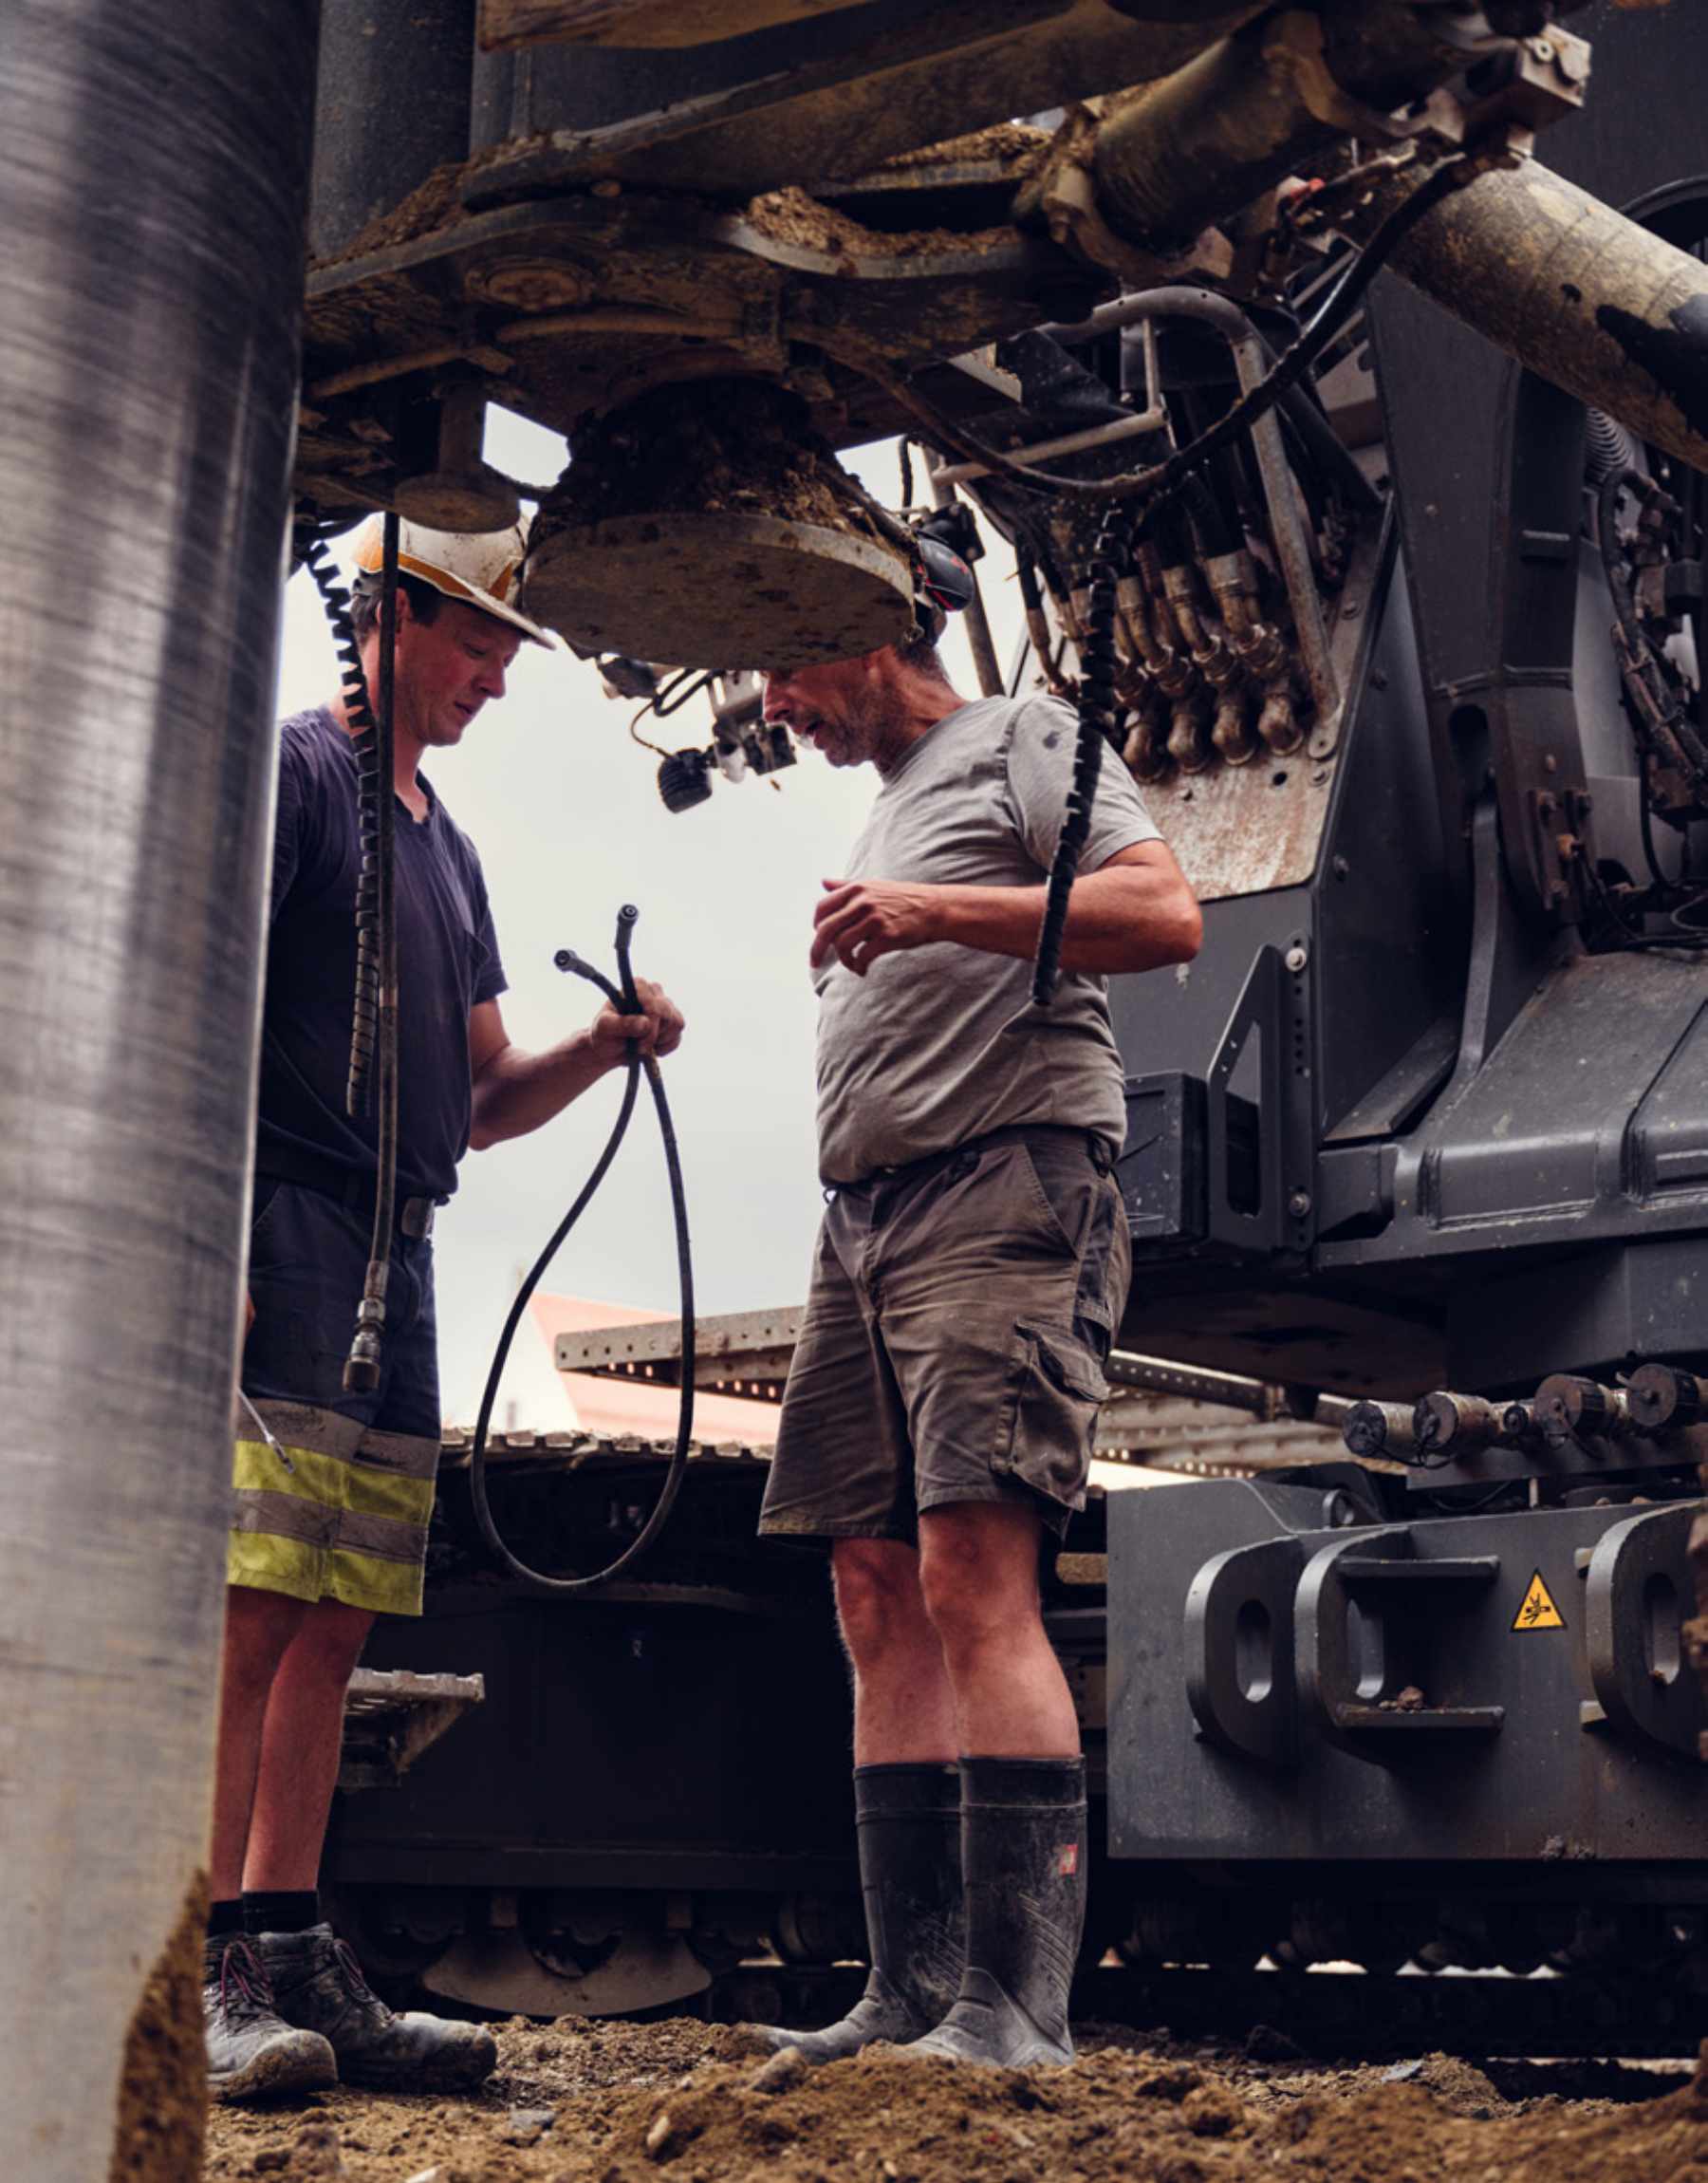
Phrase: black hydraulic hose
[1164,479]
[1096,728]
[1212,531]
[623,998]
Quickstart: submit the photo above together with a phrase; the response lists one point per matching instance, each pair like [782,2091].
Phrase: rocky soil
[688,2102]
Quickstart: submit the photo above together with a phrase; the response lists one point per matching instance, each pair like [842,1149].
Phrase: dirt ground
[687,2102]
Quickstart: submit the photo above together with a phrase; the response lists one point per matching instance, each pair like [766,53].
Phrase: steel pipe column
[153,197]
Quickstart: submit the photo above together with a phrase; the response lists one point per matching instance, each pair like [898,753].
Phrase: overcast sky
[564,811]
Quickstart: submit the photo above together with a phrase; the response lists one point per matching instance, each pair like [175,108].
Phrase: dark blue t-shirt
[447,963]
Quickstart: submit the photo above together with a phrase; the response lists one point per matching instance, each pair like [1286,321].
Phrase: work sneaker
[252,2053]
[316,1984]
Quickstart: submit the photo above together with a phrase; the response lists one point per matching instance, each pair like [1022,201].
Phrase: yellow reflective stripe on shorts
[333,1481]
[268,1564]
[265,1563]
[346,1520]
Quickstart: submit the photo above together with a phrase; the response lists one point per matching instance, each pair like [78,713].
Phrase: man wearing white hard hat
[331,1512]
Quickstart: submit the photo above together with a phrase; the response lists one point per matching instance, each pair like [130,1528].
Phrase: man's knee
[330,1642]
[978,1571]
[877,1595]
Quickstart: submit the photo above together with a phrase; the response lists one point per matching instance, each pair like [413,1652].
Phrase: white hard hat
[478,567]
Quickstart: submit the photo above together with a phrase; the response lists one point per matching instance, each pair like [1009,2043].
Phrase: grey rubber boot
[252,2053]
[1023,1850]
[317,1982]
[909,1826]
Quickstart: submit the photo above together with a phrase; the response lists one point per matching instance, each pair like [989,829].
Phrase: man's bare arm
[1135,912]
[516,1092]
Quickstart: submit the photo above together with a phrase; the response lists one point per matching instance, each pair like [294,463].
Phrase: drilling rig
[1373,341]
[1407,633]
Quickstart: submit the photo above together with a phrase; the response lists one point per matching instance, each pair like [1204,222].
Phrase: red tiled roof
[618,1407]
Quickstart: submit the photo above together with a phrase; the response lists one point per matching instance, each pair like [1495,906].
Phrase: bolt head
[1298,1204]
[1296,958]
[530,284]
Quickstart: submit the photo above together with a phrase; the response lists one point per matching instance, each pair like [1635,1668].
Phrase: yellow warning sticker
[1537,1610]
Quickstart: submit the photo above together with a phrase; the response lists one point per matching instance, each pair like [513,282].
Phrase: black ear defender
[948,543]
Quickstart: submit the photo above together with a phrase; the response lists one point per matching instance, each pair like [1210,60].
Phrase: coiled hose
[373,1073]
[318,559]
[622,997]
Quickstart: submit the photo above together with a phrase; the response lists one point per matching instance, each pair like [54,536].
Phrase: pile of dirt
[432,204]
[792,217]
[1015,146]
[787,215]
[579,2054]
[579,2102]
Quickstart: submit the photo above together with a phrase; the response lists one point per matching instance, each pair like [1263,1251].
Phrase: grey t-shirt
[938,1044]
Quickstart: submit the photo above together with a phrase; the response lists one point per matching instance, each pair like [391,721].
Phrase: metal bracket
[1272,1005]
[1636,1592]
[1238,1654]
[1152,418]
[1347,1675]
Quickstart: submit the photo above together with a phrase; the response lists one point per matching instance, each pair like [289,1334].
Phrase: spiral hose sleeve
[1096,728]
[365,740]
[362,1366]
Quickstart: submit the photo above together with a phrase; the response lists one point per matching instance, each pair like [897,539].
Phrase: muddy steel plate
[718,589]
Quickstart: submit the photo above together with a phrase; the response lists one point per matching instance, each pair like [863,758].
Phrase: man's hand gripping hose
[622,997]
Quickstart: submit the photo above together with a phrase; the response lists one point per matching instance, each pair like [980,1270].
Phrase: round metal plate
[718,589]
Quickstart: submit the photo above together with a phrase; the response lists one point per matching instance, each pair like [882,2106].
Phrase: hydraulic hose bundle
[622,997]
[1662,722]
[1152,487]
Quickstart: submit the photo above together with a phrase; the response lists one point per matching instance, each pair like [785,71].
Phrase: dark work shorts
[953,1342]
[342,1512]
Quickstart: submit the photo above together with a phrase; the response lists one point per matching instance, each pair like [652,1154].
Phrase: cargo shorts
[341,1510]
[960,1311]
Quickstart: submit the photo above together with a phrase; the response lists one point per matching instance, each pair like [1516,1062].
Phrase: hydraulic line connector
[1567,1406]
[1373,1429]
[1450,1425]
[1660,1398]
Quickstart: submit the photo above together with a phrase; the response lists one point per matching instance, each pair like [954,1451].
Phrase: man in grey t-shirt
[971,1269]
